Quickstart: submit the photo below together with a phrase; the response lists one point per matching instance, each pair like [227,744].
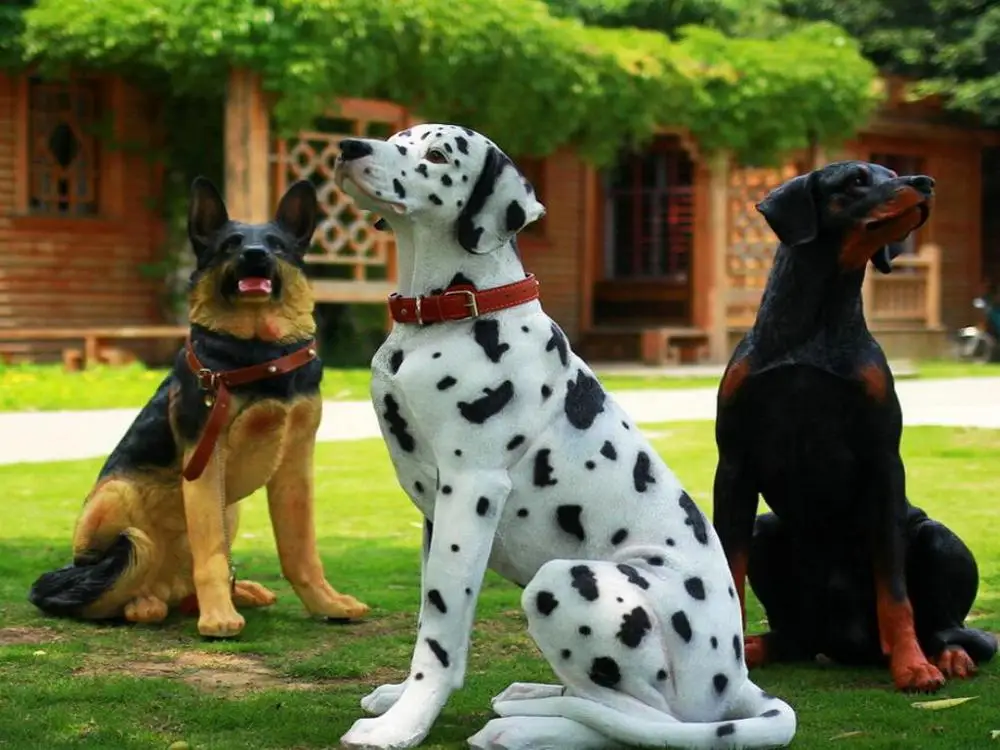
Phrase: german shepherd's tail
[99,586]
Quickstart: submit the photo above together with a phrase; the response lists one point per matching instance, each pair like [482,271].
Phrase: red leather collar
[462,302]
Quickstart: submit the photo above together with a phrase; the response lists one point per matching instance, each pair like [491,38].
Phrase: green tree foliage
[533,80]
[954,45]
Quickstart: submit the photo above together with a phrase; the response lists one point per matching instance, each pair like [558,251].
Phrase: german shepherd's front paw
[223,623]
[252,594]
[325,601]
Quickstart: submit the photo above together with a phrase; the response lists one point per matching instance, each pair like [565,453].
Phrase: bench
[673,345]
[92,339]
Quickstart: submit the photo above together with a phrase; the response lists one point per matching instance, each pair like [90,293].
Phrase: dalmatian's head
[444,177]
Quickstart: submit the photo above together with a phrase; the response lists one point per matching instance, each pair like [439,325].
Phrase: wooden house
[660,257]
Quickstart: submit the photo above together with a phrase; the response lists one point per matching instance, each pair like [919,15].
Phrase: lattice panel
[751,242]
[345,236]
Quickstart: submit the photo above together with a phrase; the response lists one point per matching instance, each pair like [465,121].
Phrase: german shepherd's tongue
[882,260]
[254,285]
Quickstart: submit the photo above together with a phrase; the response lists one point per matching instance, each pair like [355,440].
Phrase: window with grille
[63,148]
[649,208]
[902,164]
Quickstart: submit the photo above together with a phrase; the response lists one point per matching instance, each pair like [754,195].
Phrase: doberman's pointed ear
[790,210]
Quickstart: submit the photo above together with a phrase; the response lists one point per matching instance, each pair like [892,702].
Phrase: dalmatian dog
[520,461]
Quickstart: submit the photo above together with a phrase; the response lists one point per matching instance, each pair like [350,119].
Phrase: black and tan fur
[148,540]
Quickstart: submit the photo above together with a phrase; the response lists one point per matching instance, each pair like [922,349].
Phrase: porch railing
[910,296]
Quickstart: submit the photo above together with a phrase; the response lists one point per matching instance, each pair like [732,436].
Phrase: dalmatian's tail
[770,722]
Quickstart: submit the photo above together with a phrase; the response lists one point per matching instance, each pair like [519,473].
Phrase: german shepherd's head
[250,280]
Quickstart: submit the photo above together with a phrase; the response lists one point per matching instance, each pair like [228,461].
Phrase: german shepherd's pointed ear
[298,213]
[207,214]
[791,212]
[501,204]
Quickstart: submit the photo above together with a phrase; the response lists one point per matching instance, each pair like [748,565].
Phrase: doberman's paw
[916,675]
[955,662]
[252,594]
[224,623]
[755,650]
[146,609]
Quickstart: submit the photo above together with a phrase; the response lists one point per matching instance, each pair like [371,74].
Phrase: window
[534,172]
[63,148]
[902,164]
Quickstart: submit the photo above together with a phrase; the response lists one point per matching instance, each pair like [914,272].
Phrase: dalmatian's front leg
[468,507]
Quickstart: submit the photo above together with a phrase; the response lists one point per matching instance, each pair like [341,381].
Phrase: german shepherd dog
[239,411]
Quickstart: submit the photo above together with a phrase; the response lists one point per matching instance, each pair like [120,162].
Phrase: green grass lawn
[49,387]
[292,683]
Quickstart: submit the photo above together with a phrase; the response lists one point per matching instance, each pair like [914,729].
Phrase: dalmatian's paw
[539,733]
[384,733]
[382,698]
[522,691]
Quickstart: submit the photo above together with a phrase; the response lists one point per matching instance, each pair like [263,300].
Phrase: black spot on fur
[655,560]
[771,713]
[590,465]
[546,392]
[446,489]
[635,625]
[565,653]
[435,598]
[585,582]
[487,406]
[470,133]
[714,641]
[440,653]
[682,626]
[448,148]
[482,506]
[604,672]
[720,681]
[397,425]
[435,199]
[421,170]
[545,603]
[568,518]
[695,588]
[608,451]
[522,513]
[583,630]
[695,519]
[401,149]
[724,730]
[418,676]
[516,217]
[396,361]
[633,576]
[462,144]
[446,180]
[738,648]
[398,187]
[425,135]
[487,335]
[584,400]
[670,542]
[460,279]
[641,475]
[732,594]
[455,548]
[619,536]
[406,134]
[558,342]
[419,487]
[661,675]
[514,442]
[543,469]
[466,230]
[446,382]
[436,355]
[766,695]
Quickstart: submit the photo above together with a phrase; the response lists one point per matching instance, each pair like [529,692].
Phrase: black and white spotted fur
[518,459]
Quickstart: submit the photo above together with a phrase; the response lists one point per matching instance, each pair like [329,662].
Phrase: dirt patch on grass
[27,636]
[229,673]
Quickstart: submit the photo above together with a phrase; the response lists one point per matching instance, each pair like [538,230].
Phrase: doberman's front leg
[734,507]
[911,670]
[468,507]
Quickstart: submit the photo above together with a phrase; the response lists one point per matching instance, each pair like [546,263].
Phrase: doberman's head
[856,210]
[249,280]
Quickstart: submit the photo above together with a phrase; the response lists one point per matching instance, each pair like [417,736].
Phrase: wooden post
[247,144]
[933,289]
[718,328]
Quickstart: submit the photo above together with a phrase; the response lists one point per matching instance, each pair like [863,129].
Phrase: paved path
[64,435]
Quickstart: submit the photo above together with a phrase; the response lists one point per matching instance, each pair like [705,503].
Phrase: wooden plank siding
[64,271]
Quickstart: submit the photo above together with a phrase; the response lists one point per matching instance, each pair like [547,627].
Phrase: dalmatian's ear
[501,204]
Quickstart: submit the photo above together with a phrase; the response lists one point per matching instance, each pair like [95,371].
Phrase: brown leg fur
[290,502]
[203,509]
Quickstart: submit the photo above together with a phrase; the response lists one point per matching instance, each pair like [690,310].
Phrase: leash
[216,384]
[462,302]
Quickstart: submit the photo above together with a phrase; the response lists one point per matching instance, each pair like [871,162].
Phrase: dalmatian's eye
[436,156]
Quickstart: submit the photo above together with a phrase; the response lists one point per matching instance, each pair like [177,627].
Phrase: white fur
[551,486]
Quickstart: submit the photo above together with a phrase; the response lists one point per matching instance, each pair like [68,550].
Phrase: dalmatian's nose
[352,148]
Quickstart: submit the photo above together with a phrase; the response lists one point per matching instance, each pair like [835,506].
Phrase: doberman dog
[808,418]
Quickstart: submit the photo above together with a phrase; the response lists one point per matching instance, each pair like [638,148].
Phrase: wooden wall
[64,271]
